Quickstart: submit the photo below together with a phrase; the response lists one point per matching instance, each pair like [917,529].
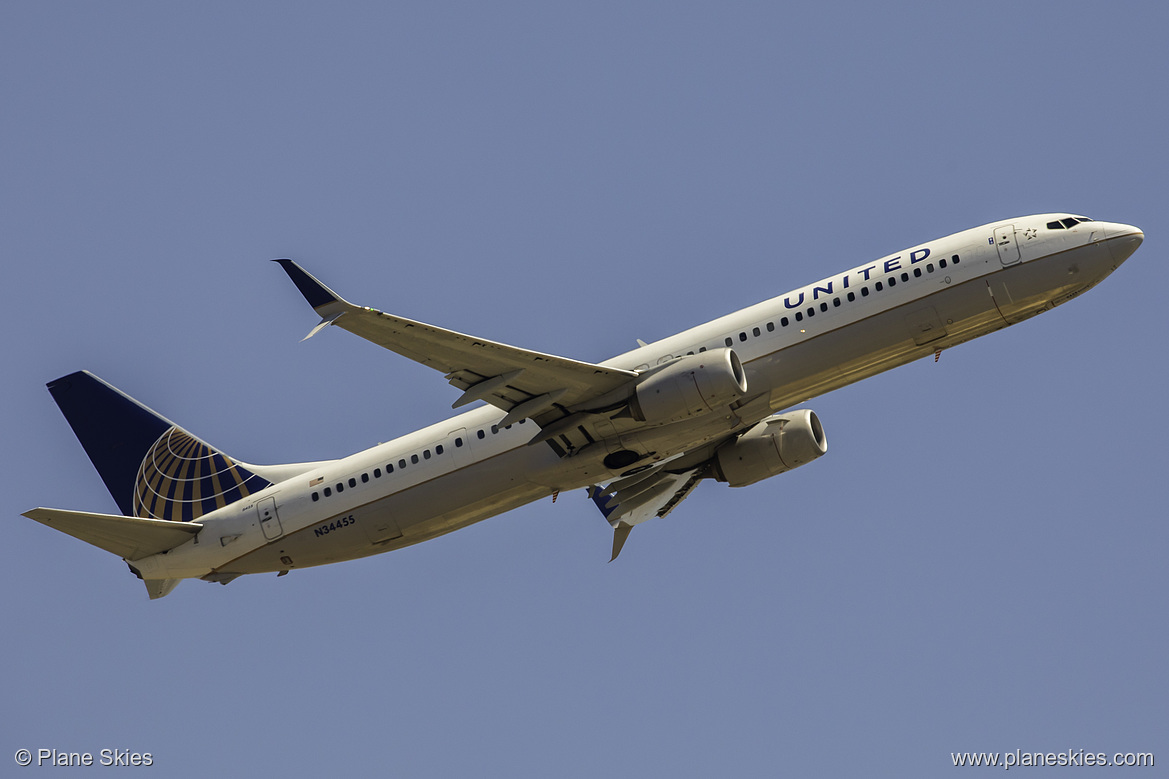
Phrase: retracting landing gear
[621,459]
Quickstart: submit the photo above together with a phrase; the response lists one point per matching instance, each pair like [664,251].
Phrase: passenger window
[730,341]
[340,487]
[836,302]
[353,482]
[756,332]
[851,297]
[402,463]
[414,459]
[328,492]
[389,468]
[771,327]
[954,259]
[365,478]
[905,277]
[701,349]
[941,263]
[458,442]
[799,317]
[917,272]
[425,454]
[823,306]
[438,449]
[811,312]
[878,286]
[892,281]
[494,429]
[742,336]
[864,292]
[377,473]
[316,497]
[929,268]
[783,322]
[480,434]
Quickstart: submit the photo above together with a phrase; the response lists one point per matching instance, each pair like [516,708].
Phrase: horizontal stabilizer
[131,538]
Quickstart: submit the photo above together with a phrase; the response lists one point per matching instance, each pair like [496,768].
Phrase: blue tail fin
[153,468]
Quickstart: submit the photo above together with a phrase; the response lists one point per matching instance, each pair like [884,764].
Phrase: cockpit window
[1068,223]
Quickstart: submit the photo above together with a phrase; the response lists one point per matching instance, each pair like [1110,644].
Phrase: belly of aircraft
[422,512]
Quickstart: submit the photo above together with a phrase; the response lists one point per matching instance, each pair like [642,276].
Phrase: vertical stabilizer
[153,468]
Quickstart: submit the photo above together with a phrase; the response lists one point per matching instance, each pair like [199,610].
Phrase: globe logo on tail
[182,478]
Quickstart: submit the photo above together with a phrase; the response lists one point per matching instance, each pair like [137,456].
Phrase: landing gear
[621,459]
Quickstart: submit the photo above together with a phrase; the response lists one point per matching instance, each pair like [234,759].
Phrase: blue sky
[976,565]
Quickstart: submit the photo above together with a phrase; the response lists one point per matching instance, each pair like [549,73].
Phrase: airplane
[639,432]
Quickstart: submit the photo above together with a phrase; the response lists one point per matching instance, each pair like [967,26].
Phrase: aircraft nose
[1123,240]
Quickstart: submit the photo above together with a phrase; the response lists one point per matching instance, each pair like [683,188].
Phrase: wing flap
[131,538]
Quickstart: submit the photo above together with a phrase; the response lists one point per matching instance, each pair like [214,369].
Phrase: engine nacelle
[777,444]
[689,386]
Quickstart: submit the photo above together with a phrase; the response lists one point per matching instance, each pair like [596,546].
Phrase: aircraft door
[459,443]
[269,519]
[1004,241]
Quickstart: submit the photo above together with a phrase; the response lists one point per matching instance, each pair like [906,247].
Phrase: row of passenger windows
[1067,224]
[810,312]
[756,332]
[403,463]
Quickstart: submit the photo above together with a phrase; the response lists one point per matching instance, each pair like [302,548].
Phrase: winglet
[316,293]
[620,534]
[322,325]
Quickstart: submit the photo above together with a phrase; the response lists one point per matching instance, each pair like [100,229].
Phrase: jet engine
[689,386]
[777,444]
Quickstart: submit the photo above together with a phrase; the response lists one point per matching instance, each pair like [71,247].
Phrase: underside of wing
[524,383]
[651,493]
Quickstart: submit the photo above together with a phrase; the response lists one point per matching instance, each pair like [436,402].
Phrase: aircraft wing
[651,493]
[521,382]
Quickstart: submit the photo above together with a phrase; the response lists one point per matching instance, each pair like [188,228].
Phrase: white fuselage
[795,346]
